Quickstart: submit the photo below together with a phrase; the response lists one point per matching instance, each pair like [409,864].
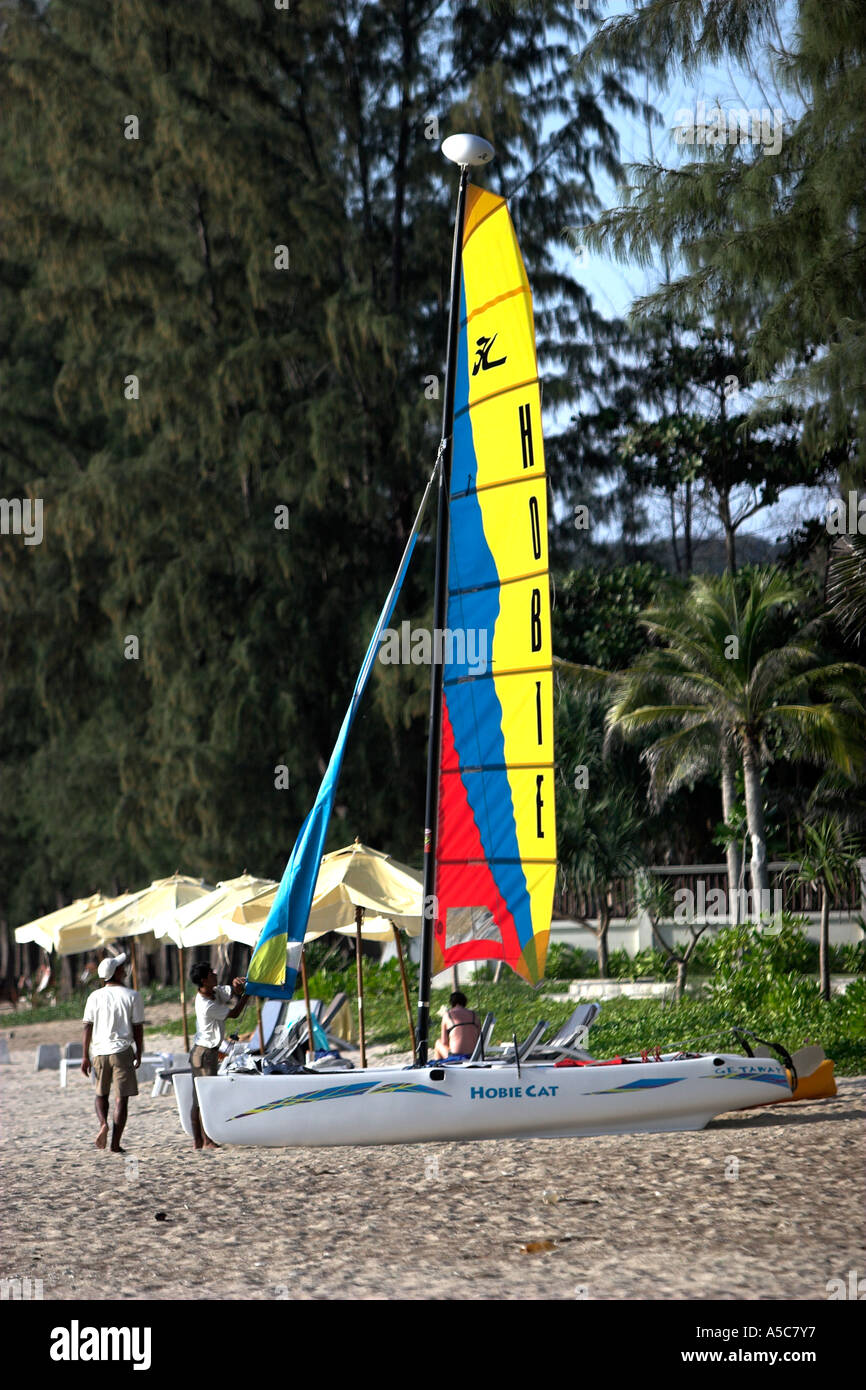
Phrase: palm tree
[829,858]
[846,585]
[726,683]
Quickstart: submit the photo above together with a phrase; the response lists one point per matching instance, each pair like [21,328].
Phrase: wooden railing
[575,904]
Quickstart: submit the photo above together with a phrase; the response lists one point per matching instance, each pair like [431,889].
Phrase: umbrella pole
[183,1001]
[134,961]
[399,944]
[359,918]
[261,1025]
[311,1042]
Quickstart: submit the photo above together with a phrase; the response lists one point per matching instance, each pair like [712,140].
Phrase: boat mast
[465,151]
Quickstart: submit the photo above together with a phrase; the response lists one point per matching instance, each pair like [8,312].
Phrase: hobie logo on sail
[483,349]
[450,646]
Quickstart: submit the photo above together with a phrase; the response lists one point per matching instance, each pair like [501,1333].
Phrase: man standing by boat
[114,1029]
[213,1005]
[460,1031]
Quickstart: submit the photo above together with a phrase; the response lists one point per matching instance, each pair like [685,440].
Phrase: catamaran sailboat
[490,841]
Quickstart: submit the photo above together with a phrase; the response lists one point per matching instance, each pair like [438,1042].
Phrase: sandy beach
[762,1205]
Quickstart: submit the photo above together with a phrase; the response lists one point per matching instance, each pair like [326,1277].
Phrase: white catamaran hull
[391,1105]
[182,1085]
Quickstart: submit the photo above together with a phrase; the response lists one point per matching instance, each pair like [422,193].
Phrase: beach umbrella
[134,914]
[215,912]
[358,876]
[364,892]
[70,930]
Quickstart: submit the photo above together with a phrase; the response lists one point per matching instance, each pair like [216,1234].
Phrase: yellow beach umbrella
[215,912]
[221,931]
[69,930]
[361,877]
[362,892]
[133,914]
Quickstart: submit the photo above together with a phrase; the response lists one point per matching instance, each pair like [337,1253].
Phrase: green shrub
[569,963]
[849,958]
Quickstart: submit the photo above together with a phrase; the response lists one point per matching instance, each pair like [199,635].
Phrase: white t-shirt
[211,1015]
[112,1010]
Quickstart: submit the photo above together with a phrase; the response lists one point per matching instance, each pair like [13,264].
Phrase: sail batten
[496,855]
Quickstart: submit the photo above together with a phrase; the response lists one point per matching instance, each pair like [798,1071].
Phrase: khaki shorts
[120,1066]
[204,1061]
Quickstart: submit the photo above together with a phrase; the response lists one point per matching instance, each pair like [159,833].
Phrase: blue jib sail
[273,969]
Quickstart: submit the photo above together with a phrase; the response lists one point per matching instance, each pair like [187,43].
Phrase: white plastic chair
[73,1052]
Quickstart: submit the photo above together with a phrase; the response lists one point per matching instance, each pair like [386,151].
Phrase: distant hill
[709,556]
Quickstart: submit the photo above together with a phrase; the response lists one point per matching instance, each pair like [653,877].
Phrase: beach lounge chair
[72,1055]
[152,1063]
[48,1057]
[480,1049]
[574,1031]
[273,1014]
[569,1040]
[505,1051]
[172,1061]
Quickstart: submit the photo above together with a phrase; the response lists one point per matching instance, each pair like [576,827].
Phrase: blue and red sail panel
[496,852]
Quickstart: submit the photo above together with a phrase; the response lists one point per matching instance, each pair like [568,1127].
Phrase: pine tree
[741,219]
[229,228]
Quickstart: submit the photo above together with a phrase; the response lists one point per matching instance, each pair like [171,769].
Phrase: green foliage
[569,963]
[798,1014]
[596,620]
[772,694]
[847,959]
[746,959]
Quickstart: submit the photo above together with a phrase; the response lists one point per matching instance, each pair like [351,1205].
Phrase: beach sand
[764,1204]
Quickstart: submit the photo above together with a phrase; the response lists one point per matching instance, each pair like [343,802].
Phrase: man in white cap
[114,1027]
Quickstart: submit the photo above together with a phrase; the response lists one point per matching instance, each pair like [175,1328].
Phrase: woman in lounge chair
[461,1030]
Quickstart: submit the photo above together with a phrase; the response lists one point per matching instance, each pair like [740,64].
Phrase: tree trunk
[732,849]
[601,938]
[730,532]
[687,526]
[165,962]
[674,546]
[755,818]
[67,983]
[824,946]
[682,972]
